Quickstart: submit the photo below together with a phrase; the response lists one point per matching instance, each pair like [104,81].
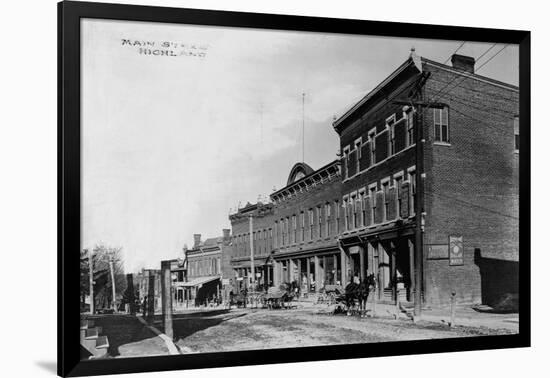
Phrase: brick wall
[471,185]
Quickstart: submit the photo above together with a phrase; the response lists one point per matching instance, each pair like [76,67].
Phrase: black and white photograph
[290,188]
[250,189]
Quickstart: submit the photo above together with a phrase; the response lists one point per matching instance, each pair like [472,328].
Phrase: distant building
[204,273]
[447,206]
[148,284]
[261,217]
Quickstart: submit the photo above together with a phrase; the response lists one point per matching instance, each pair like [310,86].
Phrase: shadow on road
[185,325]
[121,330]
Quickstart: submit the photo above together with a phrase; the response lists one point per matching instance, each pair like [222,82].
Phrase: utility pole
[303,127]
[91,273]
[419,218]
[253,282]
[111,257]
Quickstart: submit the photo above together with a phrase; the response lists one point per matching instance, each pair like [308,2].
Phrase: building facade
[430,184]
[204,273]
[307,222]
[252,244]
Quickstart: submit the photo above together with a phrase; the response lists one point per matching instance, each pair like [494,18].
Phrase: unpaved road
[246,329]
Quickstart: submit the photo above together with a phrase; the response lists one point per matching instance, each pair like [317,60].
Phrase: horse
[238,299]
[362,293]
[357,294]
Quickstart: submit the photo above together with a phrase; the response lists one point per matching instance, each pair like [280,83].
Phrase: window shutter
[392,206]
[379,216]
[405,200]
[368,211]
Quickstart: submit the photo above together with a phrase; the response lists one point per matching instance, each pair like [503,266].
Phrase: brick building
[307,222]
[252,221]
[204,272]
[430,184]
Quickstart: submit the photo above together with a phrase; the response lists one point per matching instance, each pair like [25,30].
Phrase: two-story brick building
[430,183]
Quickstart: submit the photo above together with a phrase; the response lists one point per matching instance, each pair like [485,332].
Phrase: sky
[172,143]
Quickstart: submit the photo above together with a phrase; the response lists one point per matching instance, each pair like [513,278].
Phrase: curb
[172,348]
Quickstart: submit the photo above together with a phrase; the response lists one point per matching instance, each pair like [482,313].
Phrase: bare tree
[103,293]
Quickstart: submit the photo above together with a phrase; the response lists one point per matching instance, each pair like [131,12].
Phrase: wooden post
[324,271]
[397,311]
[308,270]
[393,271]
[166,286]
[91,272]
[453,309]
[374,298]
[411,268]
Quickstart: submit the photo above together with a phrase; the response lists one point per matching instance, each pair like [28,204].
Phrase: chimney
[197,238]
[226,236]
[463,63]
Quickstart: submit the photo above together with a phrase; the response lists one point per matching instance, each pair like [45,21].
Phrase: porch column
[267,268]
[317,273]
[411,266]
[276,273]
[308,271]
[362,263]
[393,271]
[324,271]
[299,265]
[343,267]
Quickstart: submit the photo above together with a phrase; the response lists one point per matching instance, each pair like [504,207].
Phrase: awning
[198,281]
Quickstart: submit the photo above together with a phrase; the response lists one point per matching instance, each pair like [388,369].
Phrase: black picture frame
[69,16]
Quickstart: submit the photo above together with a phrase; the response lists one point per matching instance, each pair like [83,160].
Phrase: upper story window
[319,222]
[363,197]
[516,134]
[412,191]
[353,203]
[346,211]
[441,125]
[337,215]
[372,141]
[372,193]
[390,122]
[310,213]
[411,138]
[346,156]
[327,219]
[386,193]
[294,240]
[357,154]
[398,181]
[302,226]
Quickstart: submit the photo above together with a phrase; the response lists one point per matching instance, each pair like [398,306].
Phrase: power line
[478,68]
[459,47]
[471,204]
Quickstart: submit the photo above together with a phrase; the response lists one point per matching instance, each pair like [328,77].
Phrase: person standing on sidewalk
[145,306]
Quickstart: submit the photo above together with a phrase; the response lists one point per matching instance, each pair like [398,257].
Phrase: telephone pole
[112,280]
[253,282]
[419,208]
[303,127]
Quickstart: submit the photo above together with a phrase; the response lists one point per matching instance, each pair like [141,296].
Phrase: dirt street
[246,329]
